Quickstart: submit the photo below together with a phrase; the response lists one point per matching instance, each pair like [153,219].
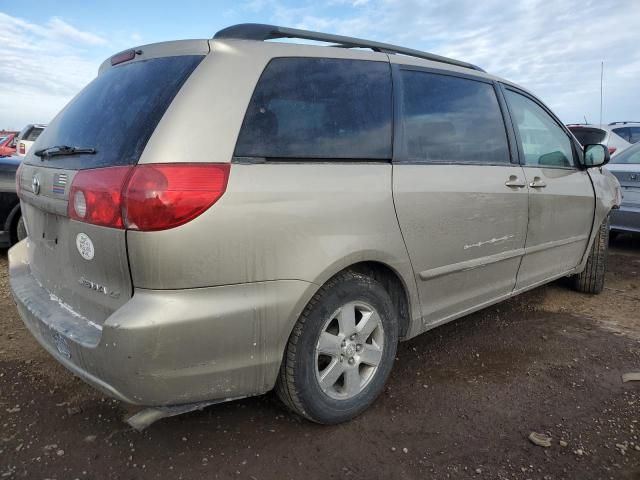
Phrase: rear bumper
[167,347]
[625,219]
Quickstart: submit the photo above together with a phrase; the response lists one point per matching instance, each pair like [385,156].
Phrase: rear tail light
[22,149]
[96,196]
[146,197]
[612,150]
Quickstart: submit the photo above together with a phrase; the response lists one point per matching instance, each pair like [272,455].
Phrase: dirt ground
[461,403]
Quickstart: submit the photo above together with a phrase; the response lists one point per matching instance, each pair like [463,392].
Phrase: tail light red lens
[96,196]
[165,196]
[146,197]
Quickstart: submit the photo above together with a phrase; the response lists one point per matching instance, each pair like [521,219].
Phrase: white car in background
[27,136]
[604,134]
[630,131]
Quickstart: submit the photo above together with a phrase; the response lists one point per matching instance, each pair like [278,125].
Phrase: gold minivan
[211,219]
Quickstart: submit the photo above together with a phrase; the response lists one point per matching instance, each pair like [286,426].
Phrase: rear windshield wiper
[63,150]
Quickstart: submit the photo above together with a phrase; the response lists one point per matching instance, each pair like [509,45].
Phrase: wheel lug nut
[358,347]
[344,343]
[342,358]
[353,337]
[351,361]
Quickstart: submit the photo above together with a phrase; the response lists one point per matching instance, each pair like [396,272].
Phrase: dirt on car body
[461,403]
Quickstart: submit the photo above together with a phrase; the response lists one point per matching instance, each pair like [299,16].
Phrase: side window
[543,142]
[635,134]
[452,119]
[622,132]
[319,108]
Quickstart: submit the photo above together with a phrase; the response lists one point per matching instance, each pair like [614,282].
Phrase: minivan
[212,219]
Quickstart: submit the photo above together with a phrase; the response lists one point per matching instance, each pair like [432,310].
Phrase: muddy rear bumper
[166,347]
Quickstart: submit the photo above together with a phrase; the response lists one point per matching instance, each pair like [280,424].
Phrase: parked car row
[623,141]
[13,148]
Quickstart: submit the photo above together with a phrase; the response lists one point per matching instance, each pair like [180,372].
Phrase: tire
[335,367]
[591,280]
[613,235]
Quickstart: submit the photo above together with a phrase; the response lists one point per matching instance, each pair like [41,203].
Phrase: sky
[51,49]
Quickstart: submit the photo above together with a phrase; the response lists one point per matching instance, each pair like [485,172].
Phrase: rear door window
[116,113]
[451,119]
[634,135]
[544,143]
[622,132]
[319,108]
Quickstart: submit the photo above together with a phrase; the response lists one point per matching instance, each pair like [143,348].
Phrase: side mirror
[596,155]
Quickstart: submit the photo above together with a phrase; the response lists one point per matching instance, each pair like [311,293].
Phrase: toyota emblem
[35,184]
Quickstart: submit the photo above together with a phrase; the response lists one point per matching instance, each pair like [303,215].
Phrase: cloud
[553,48]
[43,66]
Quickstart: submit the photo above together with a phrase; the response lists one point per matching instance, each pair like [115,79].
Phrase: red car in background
[8,142]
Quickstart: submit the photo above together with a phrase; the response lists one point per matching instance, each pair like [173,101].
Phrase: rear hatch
[588,135]
[84,266]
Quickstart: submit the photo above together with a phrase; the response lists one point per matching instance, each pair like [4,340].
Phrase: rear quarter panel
[301,221]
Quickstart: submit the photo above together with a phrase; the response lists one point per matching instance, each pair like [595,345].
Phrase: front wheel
[341,350]
[591,279]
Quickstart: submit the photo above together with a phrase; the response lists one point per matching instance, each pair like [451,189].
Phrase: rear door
[460,201]
[84,266]
[561,196]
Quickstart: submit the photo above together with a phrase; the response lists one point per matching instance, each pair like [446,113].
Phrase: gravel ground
[462,402]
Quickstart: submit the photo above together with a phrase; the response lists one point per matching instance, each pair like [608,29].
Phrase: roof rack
[261,32]
[623,123]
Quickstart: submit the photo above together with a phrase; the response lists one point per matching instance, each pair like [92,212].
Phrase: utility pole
[601,78]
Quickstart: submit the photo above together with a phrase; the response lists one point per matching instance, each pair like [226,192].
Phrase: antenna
[601,78]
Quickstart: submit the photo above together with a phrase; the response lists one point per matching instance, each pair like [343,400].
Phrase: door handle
[537,183]
[514,181]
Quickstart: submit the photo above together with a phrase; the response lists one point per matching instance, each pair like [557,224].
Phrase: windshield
[116,113]
[629,156]
[588,136]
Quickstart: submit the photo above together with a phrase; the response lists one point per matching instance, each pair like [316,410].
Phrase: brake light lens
[100,190]
[146,197]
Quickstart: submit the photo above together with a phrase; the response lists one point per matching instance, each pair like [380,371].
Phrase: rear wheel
[341,350]
[591,279]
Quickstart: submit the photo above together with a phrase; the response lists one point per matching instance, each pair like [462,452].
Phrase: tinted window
[543,142]
[33,134]
[622,132]
[117,112]
[588,136]
[629,156]
[634,134]
[319,108]
[451,119]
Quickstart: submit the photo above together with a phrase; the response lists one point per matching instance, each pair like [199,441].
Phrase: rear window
[319,108]
[117,112]
[33,134]
[588,136]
